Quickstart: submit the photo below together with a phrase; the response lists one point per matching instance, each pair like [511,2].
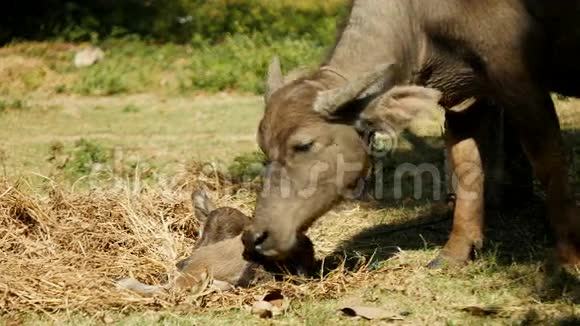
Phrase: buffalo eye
[304,147]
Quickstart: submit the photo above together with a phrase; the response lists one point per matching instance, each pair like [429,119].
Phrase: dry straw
[61,251]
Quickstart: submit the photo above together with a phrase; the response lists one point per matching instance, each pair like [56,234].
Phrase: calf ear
[394,111]
[202,204]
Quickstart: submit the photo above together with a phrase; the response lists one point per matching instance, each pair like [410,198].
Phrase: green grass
[241,62]
[14,104]
[71,134]
[173,20]
[84,157]
[238,63]
[247,167]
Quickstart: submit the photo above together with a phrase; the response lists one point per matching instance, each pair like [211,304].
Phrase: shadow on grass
[533,317]
[518,234]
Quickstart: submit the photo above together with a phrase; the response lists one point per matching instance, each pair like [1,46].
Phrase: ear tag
[382,143]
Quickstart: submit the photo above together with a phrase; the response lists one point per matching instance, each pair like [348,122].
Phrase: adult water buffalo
[502,53]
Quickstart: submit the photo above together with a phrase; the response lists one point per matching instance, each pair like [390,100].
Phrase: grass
[247,167]
[14,104]
[165,132]
[132,66]
[175,21]
[97,187]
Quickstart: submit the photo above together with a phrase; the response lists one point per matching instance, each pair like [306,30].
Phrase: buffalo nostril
[260,238]
[253,239]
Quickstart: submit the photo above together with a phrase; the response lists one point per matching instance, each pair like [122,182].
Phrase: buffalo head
[316,155]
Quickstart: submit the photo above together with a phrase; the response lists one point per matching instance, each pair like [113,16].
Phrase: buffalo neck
[377,32]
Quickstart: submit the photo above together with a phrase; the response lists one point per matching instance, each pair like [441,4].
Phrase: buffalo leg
[463,139]
[541,138]
[508,173]
[517,184]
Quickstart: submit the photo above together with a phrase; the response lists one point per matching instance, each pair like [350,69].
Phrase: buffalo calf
[220,252]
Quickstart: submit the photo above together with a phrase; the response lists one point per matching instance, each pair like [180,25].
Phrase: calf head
[315,155]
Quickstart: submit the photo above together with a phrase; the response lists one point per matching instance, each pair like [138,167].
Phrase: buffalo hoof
[443,261]
[302,272]
[437,263]
[568,254]
[557,280]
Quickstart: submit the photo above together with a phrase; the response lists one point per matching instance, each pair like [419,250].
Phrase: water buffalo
[219,251]
[507,54]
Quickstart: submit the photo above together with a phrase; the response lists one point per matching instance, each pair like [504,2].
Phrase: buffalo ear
[295,74]
[393,111]
[274,79]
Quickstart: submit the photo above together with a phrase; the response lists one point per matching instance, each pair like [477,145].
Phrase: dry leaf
[273,304]
[221,285]
[370,313]
[108,320]
[16,321]
[482,311]
[202,287]
[275,298]
[138,287]
[263,309]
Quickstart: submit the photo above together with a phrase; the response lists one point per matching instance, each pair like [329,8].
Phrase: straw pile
[62,251]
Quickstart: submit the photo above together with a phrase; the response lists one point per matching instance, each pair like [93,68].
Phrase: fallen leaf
[482,311]
[108,320]
[275,298]
[263,309]
[370,313]
[138,287]
[221,285]
[273,295]
[16,321]
[272,304]
[202,287]
[277,303]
